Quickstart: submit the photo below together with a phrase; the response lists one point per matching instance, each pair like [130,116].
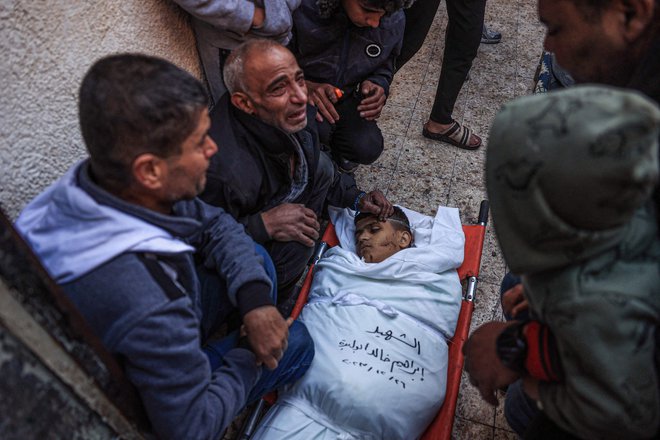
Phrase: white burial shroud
[380,332]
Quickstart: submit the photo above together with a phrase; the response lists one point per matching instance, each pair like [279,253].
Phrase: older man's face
[590,46]
[277,89]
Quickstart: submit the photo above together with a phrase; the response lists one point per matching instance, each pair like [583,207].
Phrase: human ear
[148,171]
[638,17]
[405,239]
[242,102]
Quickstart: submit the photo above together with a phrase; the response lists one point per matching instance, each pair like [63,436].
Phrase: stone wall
[46,48]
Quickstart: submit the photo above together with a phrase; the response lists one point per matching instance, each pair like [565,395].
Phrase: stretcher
[441,427]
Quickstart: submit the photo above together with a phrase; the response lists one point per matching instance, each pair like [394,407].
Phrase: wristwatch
[511,347]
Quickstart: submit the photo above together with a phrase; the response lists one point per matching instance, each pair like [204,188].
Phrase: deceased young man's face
[377,240]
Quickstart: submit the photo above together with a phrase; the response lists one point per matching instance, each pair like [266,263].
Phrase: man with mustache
[273,177]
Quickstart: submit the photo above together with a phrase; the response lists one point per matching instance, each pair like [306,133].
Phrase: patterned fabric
[550,75]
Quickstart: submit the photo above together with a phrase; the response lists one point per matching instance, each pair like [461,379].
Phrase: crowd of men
[156,270]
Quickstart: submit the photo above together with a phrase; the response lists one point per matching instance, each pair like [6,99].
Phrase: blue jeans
[216,307]
[295,362]
[519,409]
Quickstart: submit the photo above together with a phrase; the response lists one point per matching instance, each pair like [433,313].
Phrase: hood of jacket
[72,233]
[570,173]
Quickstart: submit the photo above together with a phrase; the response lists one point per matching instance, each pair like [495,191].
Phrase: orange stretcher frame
[443,423]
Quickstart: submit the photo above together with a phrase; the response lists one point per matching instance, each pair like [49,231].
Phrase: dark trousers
[352,137]
[466,21]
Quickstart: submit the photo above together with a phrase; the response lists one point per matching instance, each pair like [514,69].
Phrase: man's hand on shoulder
[267,333]
[375,202]
[292,222]
[323,96]
[484,368]
[373,102]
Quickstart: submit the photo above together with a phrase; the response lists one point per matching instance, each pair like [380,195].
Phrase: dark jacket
[333,50]
[153,330]
[251,171]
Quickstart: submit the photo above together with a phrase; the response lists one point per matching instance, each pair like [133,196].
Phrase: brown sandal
[457,135]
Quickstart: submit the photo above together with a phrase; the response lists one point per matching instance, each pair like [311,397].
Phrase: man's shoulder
[118,295]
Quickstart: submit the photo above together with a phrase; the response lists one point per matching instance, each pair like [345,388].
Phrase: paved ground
[422,174]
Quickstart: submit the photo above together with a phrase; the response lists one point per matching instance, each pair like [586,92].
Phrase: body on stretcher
[384,350]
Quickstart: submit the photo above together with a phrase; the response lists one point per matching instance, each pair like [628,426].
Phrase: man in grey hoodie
[220,26]
[153,269]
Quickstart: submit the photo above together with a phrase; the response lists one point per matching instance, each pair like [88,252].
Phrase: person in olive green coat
[570,177]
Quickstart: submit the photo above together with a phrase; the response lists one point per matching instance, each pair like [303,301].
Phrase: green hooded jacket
[570,176]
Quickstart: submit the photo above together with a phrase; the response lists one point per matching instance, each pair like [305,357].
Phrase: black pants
[466,21]
[352,137]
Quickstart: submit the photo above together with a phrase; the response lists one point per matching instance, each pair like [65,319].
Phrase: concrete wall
[46,47]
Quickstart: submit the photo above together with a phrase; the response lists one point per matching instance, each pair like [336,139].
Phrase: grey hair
[233,72]
[328,7]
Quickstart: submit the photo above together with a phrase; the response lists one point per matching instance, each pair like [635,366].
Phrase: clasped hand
[324,97]
[267,333]
[292,222]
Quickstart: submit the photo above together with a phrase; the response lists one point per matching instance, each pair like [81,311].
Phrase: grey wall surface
[46,47]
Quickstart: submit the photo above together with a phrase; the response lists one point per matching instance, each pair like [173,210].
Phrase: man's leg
[295,362]
[213,60]
[290,260]
[519,409]
[216,306]
[323,177]
[466,18]
[352,138]
[421,13]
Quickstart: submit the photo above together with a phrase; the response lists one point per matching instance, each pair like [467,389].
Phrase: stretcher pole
[442,425]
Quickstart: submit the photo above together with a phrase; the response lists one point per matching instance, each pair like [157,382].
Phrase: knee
[300,345]
[508,282]
[290,259]
[368,146]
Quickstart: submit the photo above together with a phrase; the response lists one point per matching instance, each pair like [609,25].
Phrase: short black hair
[130,104]
[400,219]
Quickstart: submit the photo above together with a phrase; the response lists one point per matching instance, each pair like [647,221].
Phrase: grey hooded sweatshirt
[102,250]
[570,176]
